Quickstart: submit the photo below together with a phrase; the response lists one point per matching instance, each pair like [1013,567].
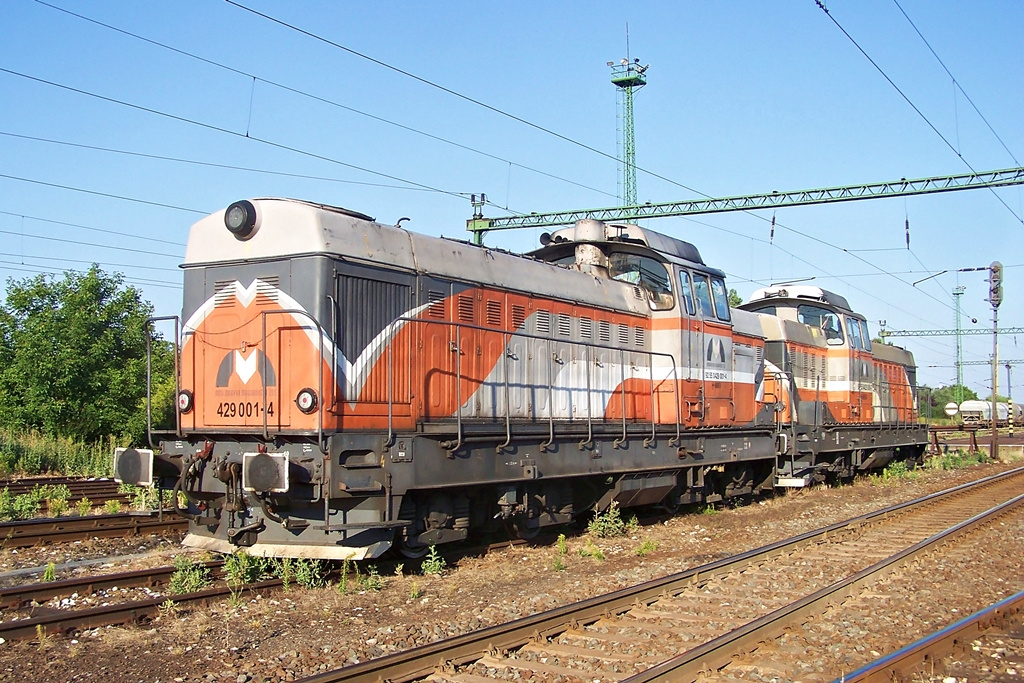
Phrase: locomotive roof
[291,228]
[799,293]
[589,231]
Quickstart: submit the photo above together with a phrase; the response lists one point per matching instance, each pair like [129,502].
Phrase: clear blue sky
[743,97]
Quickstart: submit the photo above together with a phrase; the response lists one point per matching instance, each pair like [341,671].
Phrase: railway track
[28,533]
[711,614]
[52,621]
[98,491]
[989,643]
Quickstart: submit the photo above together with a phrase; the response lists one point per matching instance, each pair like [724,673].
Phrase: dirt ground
[299,632]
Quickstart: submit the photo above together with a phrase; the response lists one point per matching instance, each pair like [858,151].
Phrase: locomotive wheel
[519,530]
[413,552]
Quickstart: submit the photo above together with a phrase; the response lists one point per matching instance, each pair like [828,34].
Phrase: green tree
[73,356]
[944,395]
[734,298]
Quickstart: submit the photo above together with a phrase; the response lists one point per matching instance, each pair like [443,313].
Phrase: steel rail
[31,532]
[718,653]
[124,613]
[903,663]
[21,597]
[421,661]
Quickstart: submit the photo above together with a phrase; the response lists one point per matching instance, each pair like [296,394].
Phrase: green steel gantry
[479,225]
[947,333]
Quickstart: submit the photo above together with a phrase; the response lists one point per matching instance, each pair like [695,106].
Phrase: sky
[123,122]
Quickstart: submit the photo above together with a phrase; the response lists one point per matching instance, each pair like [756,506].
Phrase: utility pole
[995,297]
[1009,398]
[958,292]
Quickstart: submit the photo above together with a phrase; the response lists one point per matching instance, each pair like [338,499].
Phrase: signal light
[995,283]
[185,401]
[240,219]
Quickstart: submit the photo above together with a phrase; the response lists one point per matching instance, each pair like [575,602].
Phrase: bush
[311,573]
[610,524]
[190,576]
[241,568]
[83,507]
[433,563]
[57,507]
[26,506]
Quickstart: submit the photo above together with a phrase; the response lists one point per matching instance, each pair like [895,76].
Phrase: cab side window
[721,296]
[865,337]
[853,329]
[685,292]
[702,292]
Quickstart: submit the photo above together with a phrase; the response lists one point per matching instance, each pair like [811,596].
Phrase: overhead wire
[227,131]
[317,98]
[119,233]
[514,117]
[101,194]
[211,164]
[913,106]
[425,187]
[955,81]
[20,267]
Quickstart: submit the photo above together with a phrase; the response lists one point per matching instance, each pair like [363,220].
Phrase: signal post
[995,297]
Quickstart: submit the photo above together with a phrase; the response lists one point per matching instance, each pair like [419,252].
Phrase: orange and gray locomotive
[347,387]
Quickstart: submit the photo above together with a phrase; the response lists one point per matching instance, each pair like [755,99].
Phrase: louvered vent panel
[493,313]
[604,332]
[623,334]
[543,323]
[368,308]
[518,316]
[436,307]
[639,335]
[223,292]
[564,325]
[586,328]
[268,287]
[466,308]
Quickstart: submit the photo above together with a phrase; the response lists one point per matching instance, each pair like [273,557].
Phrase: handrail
[319,370]
[588,347]
[149,377]
[504,371]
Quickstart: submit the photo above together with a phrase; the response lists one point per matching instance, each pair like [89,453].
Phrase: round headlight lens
[240,219]
[185,402]
[306,401]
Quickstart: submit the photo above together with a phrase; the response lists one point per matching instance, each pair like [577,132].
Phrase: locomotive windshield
[649,274]
[823,319]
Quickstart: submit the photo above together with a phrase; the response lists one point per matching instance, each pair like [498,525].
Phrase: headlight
[306,401]
[185,401]
[240,219]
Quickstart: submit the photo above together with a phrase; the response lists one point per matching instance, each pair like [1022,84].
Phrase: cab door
[691,336]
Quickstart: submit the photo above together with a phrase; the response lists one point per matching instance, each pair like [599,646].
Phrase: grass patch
[954,460]
[895,472]
[646,548]
[591,550]
[32,453]
[241,568]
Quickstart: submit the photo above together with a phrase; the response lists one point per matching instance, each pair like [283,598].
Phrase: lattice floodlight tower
[628,77]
